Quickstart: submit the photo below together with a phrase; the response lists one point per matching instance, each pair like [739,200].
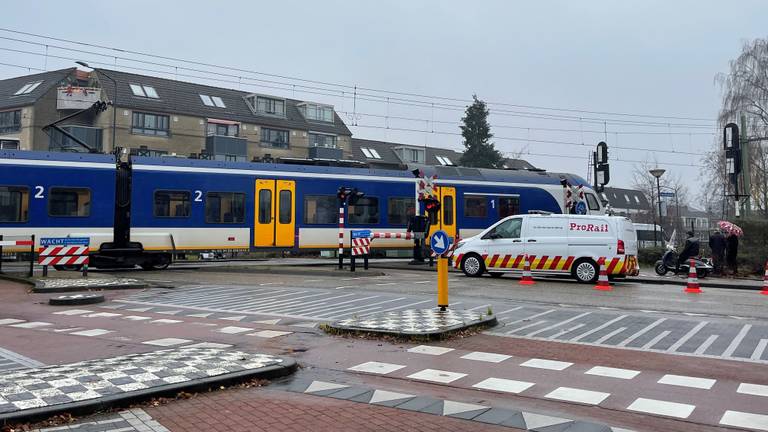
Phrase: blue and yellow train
[141,211]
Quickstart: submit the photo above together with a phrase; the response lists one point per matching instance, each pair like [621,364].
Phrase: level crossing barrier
[12,241]
[64,251]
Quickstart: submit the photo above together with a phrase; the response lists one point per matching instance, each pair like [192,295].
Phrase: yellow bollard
[442,283]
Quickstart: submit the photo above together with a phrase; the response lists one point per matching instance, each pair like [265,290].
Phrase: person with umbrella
[733,232]
[717,245]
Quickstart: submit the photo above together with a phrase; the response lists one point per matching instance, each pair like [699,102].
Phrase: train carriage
[182,205]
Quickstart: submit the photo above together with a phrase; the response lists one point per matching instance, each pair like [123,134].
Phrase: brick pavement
[265,409]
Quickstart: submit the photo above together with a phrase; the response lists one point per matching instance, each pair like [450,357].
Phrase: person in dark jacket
[690,250]
[717,245]
[731,252]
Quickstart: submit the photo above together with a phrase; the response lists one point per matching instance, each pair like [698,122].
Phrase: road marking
[429,350]
[670,409]
[19,359]
[31,325]
[209,345]
[610,335]
[346,286]
[276,304]
[737,340]
[376,367]
[268,321]
[268,334]
[10,321]
[479,307]
[504,385]
[92,333]
[324,309]
[386,283]
[233,330]
[386,396]
[578,395]
[313,280]
[136,318]
[486,357]
[657,339]
[706,344]
[558,324]
[102,315]
[645,330]
[534,324]
[166,342]
[687,336]
[564,331]
[753,389]
[423,282]
[398,307]
[510,310]
[532,317]
[687,381]
[233,318]
[546,364]
[609,372]
[168,312]
[270,283]
[439,376]
[451,407]
[598,328]
[318,386]
[745,420]
[312,306]
[165,321]
[73,312]
[364,308]
[757,354]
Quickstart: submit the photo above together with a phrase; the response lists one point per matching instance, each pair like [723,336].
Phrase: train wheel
[159,262]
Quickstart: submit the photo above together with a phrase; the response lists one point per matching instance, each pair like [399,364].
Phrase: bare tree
[644,182]
[745,93]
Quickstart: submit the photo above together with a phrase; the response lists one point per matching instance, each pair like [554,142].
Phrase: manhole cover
[76,299]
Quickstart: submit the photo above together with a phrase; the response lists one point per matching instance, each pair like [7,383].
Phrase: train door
[274,213]
[446,220]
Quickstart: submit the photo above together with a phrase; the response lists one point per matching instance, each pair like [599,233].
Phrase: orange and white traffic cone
[693,279]
[765,281]
[527,277]
[602,280]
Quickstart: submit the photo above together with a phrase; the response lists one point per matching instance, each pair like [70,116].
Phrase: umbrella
[730,228]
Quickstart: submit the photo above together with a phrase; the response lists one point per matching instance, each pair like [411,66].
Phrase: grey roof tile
[11,85]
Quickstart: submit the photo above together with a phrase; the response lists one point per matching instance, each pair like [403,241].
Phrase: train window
[265,206]
[172,203]
[224,207]
[447,209]
[14,204]
[321,209]
[69,202]
[400,210]
[508,206]
[285,207]
[475,206]
[366,211]
[592,202]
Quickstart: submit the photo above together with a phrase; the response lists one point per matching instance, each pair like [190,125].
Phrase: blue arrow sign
[440,242]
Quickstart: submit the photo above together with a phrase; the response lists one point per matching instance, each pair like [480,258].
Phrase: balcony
[77,98]
[227,148]
[333,153]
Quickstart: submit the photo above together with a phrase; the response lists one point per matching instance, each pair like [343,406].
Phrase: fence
[12,241]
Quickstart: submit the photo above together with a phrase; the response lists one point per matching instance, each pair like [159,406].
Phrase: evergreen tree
[480,151]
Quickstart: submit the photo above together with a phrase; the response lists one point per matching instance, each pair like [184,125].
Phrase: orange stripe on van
[542,263]
[555,262]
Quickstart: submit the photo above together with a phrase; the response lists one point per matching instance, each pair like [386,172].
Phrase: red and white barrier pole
[341,237]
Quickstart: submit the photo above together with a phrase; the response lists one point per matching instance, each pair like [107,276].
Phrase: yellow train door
[446,219]
[274,213]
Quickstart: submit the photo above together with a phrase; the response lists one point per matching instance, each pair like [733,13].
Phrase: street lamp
[114,101]
[657,172]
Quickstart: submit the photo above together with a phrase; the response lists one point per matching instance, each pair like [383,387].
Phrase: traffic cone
[602,280]
[527,277]
[693,279]
[765,281]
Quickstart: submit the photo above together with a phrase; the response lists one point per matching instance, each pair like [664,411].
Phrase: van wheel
[472,265]
[585,271]
[496,274]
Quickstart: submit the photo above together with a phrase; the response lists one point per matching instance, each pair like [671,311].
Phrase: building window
[286,203]
[321,209]
[411,155]
[274,138]
[224,207]
[508,206]
[148,152]
[10,121]
[9,144]
[69,202]
[212,101]
[144,91]
[475,206]
[365,211]
[321,140]
[232,130]
[14,204]
[317,112]
[267,105]
[172,203]
[150,124]
[444,161]
[370,153]
[28,88]
[399,210]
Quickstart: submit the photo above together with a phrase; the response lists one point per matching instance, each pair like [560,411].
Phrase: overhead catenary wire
[347,86]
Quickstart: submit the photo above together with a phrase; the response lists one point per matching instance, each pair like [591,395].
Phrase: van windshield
[507,229]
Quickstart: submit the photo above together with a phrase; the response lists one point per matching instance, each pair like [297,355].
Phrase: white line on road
[558,324]
[687,336]
[509,310]
[527,326]
[321,301]
[657,339]
[345,311]
[757,354]
[386,283]
[610,335]
[737,340]
[479,307]
[531,317]
[707,343]
[423,282]
[346,286]
[406,306]
[564,331]
[336,305]
[598,328]
[645,330]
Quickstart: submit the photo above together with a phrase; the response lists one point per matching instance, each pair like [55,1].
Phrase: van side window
[592,202]
[508,229]
[14,204]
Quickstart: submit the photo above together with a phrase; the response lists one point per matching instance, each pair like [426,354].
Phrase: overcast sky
[640,57]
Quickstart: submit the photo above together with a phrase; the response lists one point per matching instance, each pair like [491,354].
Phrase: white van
[556,244]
